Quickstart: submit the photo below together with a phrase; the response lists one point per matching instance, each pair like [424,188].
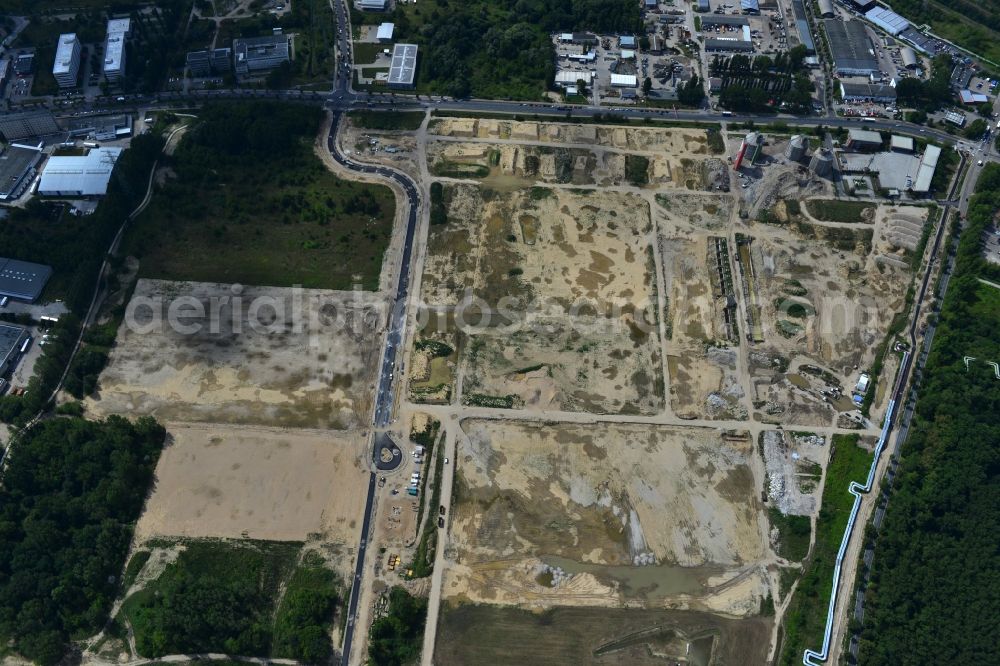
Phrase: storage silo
[821,163]
[796,148]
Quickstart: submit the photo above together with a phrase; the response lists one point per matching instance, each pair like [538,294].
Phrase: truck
[412,491]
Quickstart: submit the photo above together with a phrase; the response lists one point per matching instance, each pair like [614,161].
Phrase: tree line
[932,595]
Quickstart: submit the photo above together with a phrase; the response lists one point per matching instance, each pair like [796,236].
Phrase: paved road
[385,388]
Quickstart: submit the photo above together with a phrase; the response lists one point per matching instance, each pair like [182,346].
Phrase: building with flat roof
[66,65]
[24,64]
[11,339]
[626,42]
[861,5]
[257,54]
[901,144]
[955,118]
[867,92]
[23,280]
[802,27]
[850,48]
[403,68]
[859,139]
[731,45]
[721,20]
[624,81]
[385,31]
[969,97]
[101,128]
[18,167]
[703,6]
[209,61]
[79,176]
[887,20]
[925,174]
[114,48]
[569,78]
[373,5]
[750,6]
[16,126]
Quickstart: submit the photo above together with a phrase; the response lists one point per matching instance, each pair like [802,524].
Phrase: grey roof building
[403,68]
[23,280]
[717,19]
[27,123]
[857,92]
[18,167]
[256,54]
[850,47]
[209,61]
[733,45]
[11,339]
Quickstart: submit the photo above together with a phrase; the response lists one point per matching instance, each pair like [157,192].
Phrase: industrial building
[826,9]
[403,68]
[850,47]
[18,166]
[626,42]
[624,81]
[650,4]
[821,163]
[580,38]
[114,48]
[384,33]
[209,61]
[67,61]
[256,54]
[750,6]
[749,150]
[11,339]
[79,176]
[15,126]
[4,71]
[373,5]
[861,5]
[867,92]
[567,78]
[969,97]
[925,174]
[714,44]
[101,128]
[859,139]
[703,6]
[887,20]
[723,21]
[909,57]
[802,27]
[23,280]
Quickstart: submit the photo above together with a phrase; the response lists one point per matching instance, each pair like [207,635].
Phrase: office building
[114,48]
[67,62]
[208,62]
[256,54]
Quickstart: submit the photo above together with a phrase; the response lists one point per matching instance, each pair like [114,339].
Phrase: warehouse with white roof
[79,176]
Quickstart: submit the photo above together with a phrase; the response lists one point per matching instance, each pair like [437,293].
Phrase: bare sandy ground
[227,482]
[631,514]
[287,358]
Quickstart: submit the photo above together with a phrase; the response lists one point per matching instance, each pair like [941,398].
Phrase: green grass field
[262,219]
[793,544]
[835,210]
[806,614]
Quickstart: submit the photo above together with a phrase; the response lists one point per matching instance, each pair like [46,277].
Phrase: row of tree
[934,580]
